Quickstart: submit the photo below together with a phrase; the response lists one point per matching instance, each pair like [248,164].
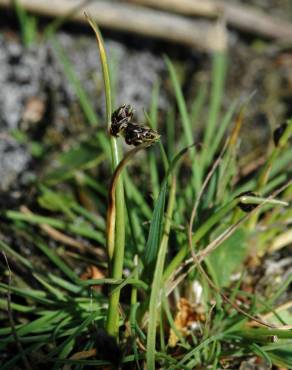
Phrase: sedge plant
[116,231]
[185,250]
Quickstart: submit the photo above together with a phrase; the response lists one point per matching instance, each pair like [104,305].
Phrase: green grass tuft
[72,274]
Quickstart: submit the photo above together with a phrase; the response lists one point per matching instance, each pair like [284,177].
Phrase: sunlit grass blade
[155,230]
[157,280]
[199,101]
[219,64]
[153,165]
[56,292]
[170,133]
[36,295]
[16,307]
[188,133]
[42,324]
[159,250]
[28,23]
[187,128]
[226,120]
[156,225]
[82,230]
[64,284]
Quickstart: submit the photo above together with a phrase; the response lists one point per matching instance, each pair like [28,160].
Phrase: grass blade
[156,283]
[185,118]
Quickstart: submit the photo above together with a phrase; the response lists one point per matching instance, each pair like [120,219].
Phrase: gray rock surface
[29,73]
[13,160]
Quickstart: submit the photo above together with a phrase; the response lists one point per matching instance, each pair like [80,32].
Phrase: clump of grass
[188,251]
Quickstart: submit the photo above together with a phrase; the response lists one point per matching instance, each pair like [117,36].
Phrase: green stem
[156,284]
[119,230]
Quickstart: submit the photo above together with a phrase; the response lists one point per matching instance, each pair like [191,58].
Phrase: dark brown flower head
[120,119]
[278,133]
[136,134]
[133,133]
[244,206]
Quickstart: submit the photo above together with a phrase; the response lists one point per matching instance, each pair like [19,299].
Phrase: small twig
[201,34]
[206,8]
[242,17]
[210,174]
[82,355]
[11,319]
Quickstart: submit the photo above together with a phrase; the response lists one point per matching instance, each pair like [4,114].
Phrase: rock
[37,72]
[14,159]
